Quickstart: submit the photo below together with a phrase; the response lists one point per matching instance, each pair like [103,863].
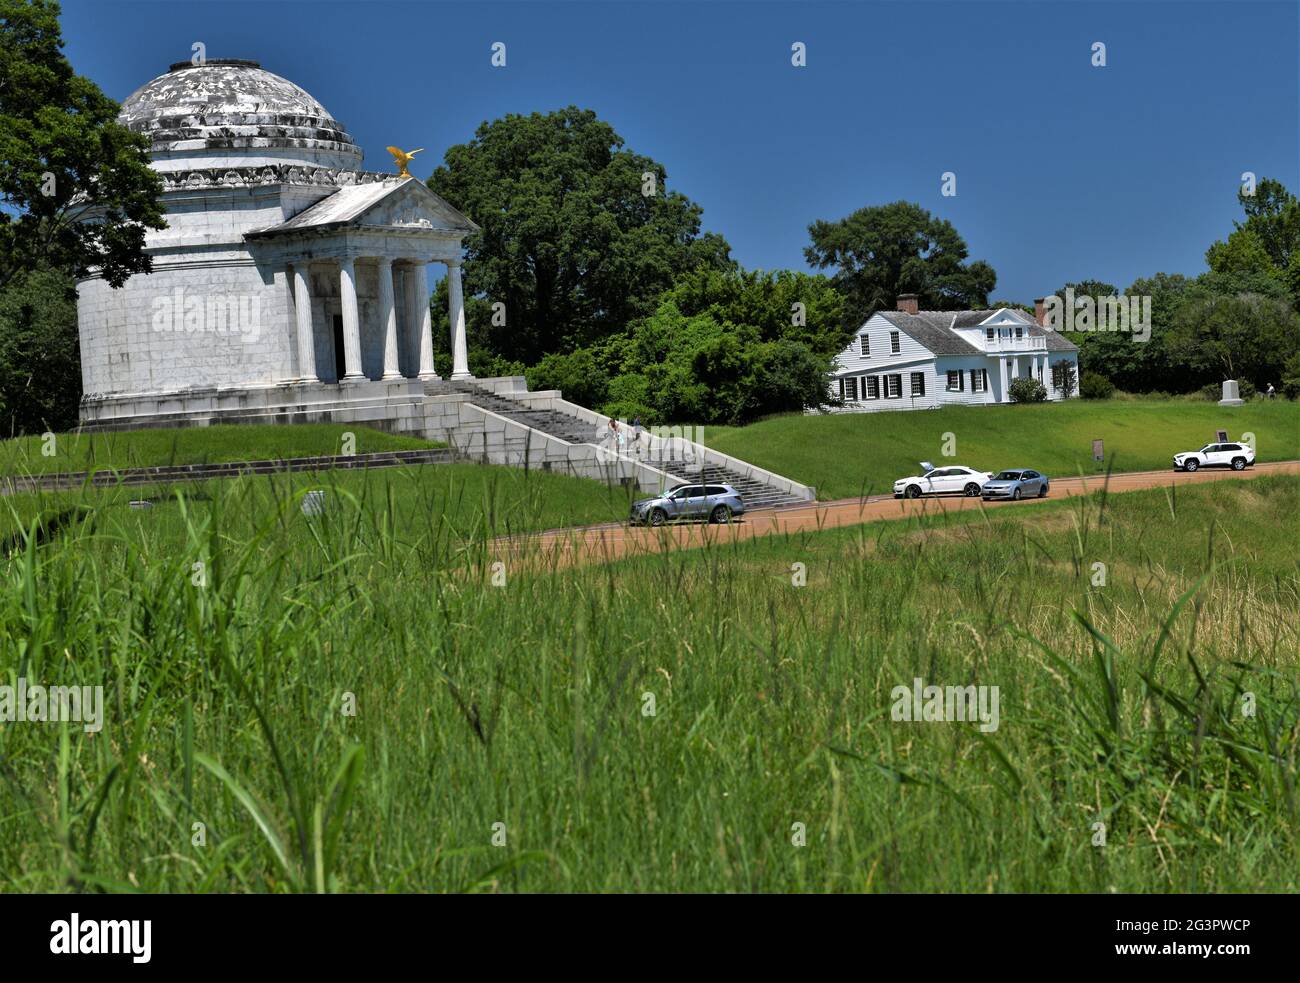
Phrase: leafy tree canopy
[76,185]
[882,251]
[721,347]
[1266,246]
[1234,336]
[786,305]
[40,372]
[570,241]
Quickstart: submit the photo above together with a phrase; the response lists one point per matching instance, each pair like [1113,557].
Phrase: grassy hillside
[844,455]
[344,705]
[448,503]
[193,445]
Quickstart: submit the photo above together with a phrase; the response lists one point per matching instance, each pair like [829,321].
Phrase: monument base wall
[400,406]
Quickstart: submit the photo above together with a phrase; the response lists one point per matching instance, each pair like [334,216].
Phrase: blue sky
[1064,171]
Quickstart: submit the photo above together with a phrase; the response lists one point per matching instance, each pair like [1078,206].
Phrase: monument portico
[359,262]
[289,282]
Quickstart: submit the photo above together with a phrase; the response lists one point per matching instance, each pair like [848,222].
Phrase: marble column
[421,321]
[351,321]
[388,318]
[456,312]
[302,313]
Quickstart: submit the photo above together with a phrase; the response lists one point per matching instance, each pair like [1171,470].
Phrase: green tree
[1237,336]
[40,372]
[577,374]
[77,187]
[882,251]
[781,305]
[1291,377]
[1131,364]
[1267,243]
[571,241]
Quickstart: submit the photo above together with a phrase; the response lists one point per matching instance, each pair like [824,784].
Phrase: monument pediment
[400,203]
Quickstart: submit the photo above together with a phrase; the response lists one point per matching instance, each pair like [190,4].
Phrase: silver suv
[717,503]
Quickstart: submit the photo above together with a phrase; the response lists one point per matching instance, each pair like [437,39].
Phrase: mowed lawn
[845,455]
[193,445]
[345,704]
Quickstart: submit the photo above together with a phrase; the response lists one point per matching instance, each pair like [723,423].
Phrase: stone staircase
[560,425]
[757,494]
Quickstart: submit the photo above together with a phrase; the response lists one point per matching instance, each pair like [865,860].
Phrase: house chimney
[908,303]
[1040,310]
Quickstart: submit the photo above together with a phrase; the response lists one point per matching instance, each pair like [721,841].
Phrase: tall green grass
[502,739]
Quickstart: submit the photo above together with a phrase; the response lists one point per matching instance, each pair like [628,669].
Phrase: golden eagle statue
[401,158]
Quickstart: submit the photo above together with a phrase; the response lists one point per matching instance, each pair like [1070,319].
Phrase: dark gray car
[714,502]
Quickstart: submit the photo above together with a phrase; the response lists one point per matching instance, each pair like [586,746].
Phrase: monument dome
[230,112]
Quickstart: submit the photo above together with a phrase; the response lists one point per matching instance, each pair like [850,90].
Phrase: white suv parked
[1235,456]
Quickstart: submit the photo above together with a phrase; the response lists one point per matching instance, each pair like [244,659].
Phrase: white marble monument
[289,283]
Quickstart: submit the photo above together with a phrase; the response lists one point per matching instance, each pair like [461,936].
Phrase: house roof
[934,330]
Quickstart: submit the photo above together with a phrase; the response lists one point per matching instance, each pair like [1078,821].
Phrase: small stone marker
[1231,394]
[313,503]
[1099,450]
[140,503]
[1220,435]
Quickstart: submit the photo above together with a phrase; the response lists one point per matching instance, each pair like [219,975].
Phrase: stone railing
[650,447]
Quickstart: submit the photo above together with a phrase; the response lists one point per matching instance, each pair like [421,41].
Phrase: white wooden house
[910,359]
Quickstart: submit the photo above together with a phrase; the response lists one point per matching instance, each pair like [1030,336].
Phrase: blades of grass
[339,801]
[254,809]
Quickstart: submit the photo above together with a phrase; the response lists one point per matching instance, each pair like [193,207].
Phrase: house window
[895,384]
[893,342]
[954,381]
[851,388]
[1020,333]
[918,383]
[866,347]
[988,334]
[978,380]
[870,387]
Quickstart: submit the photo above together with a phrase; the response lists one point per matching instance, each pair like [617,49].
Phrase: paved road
[594,544]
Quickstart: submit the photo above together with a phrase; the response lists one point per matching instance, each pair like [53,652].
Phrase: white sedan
[954,480]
